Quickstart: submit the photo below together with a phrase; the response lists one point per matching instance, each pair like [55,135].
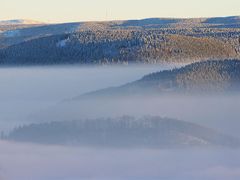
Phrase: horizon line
[112,20]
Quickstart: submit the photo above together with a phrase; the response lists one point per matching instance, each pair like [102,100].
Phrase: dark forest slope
[116,46]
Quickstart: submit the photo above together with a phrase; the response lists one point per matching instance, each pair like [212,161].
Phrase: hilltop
[20,21]
[17,24]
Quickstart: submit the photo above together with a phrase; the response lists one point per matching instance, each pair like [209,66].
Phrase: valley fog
[37,95]
[27,90]
[25,161]
[220,112]
[217,112]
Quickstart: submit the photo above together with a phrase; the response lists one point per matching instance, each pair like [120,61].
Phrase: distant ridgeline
[144,41]
[200,77]
[146,132]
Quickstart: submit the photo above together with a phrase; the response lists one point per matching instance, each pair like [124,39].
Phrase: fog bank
[26,161]
[26,90]
[217,112]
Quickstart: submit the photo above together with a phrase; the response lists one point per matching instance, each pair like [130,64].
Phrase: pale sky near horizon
[90,10]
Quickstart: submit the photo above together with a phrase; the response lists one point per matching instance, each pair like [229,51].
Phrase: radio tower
[106,15]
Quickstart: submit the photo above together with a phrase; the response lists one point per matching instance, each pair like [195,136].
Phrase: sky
[98,10]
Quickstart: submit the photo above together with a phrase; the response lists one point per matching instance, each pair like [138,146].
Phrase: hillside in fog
[154,40]
[201,77]
[149,132]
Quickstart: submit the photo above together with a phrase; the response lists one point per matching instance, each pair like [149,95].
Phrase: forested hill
[147,132]
[200,77]
[116,46]
[153,40]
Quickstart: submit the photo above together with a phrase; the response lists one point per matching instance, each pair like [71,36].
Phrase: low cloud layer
[26,161]
[27,91]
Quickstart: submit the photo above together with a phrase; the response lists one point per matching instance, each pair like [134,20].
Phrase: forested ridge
[123,42]
[117,46]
